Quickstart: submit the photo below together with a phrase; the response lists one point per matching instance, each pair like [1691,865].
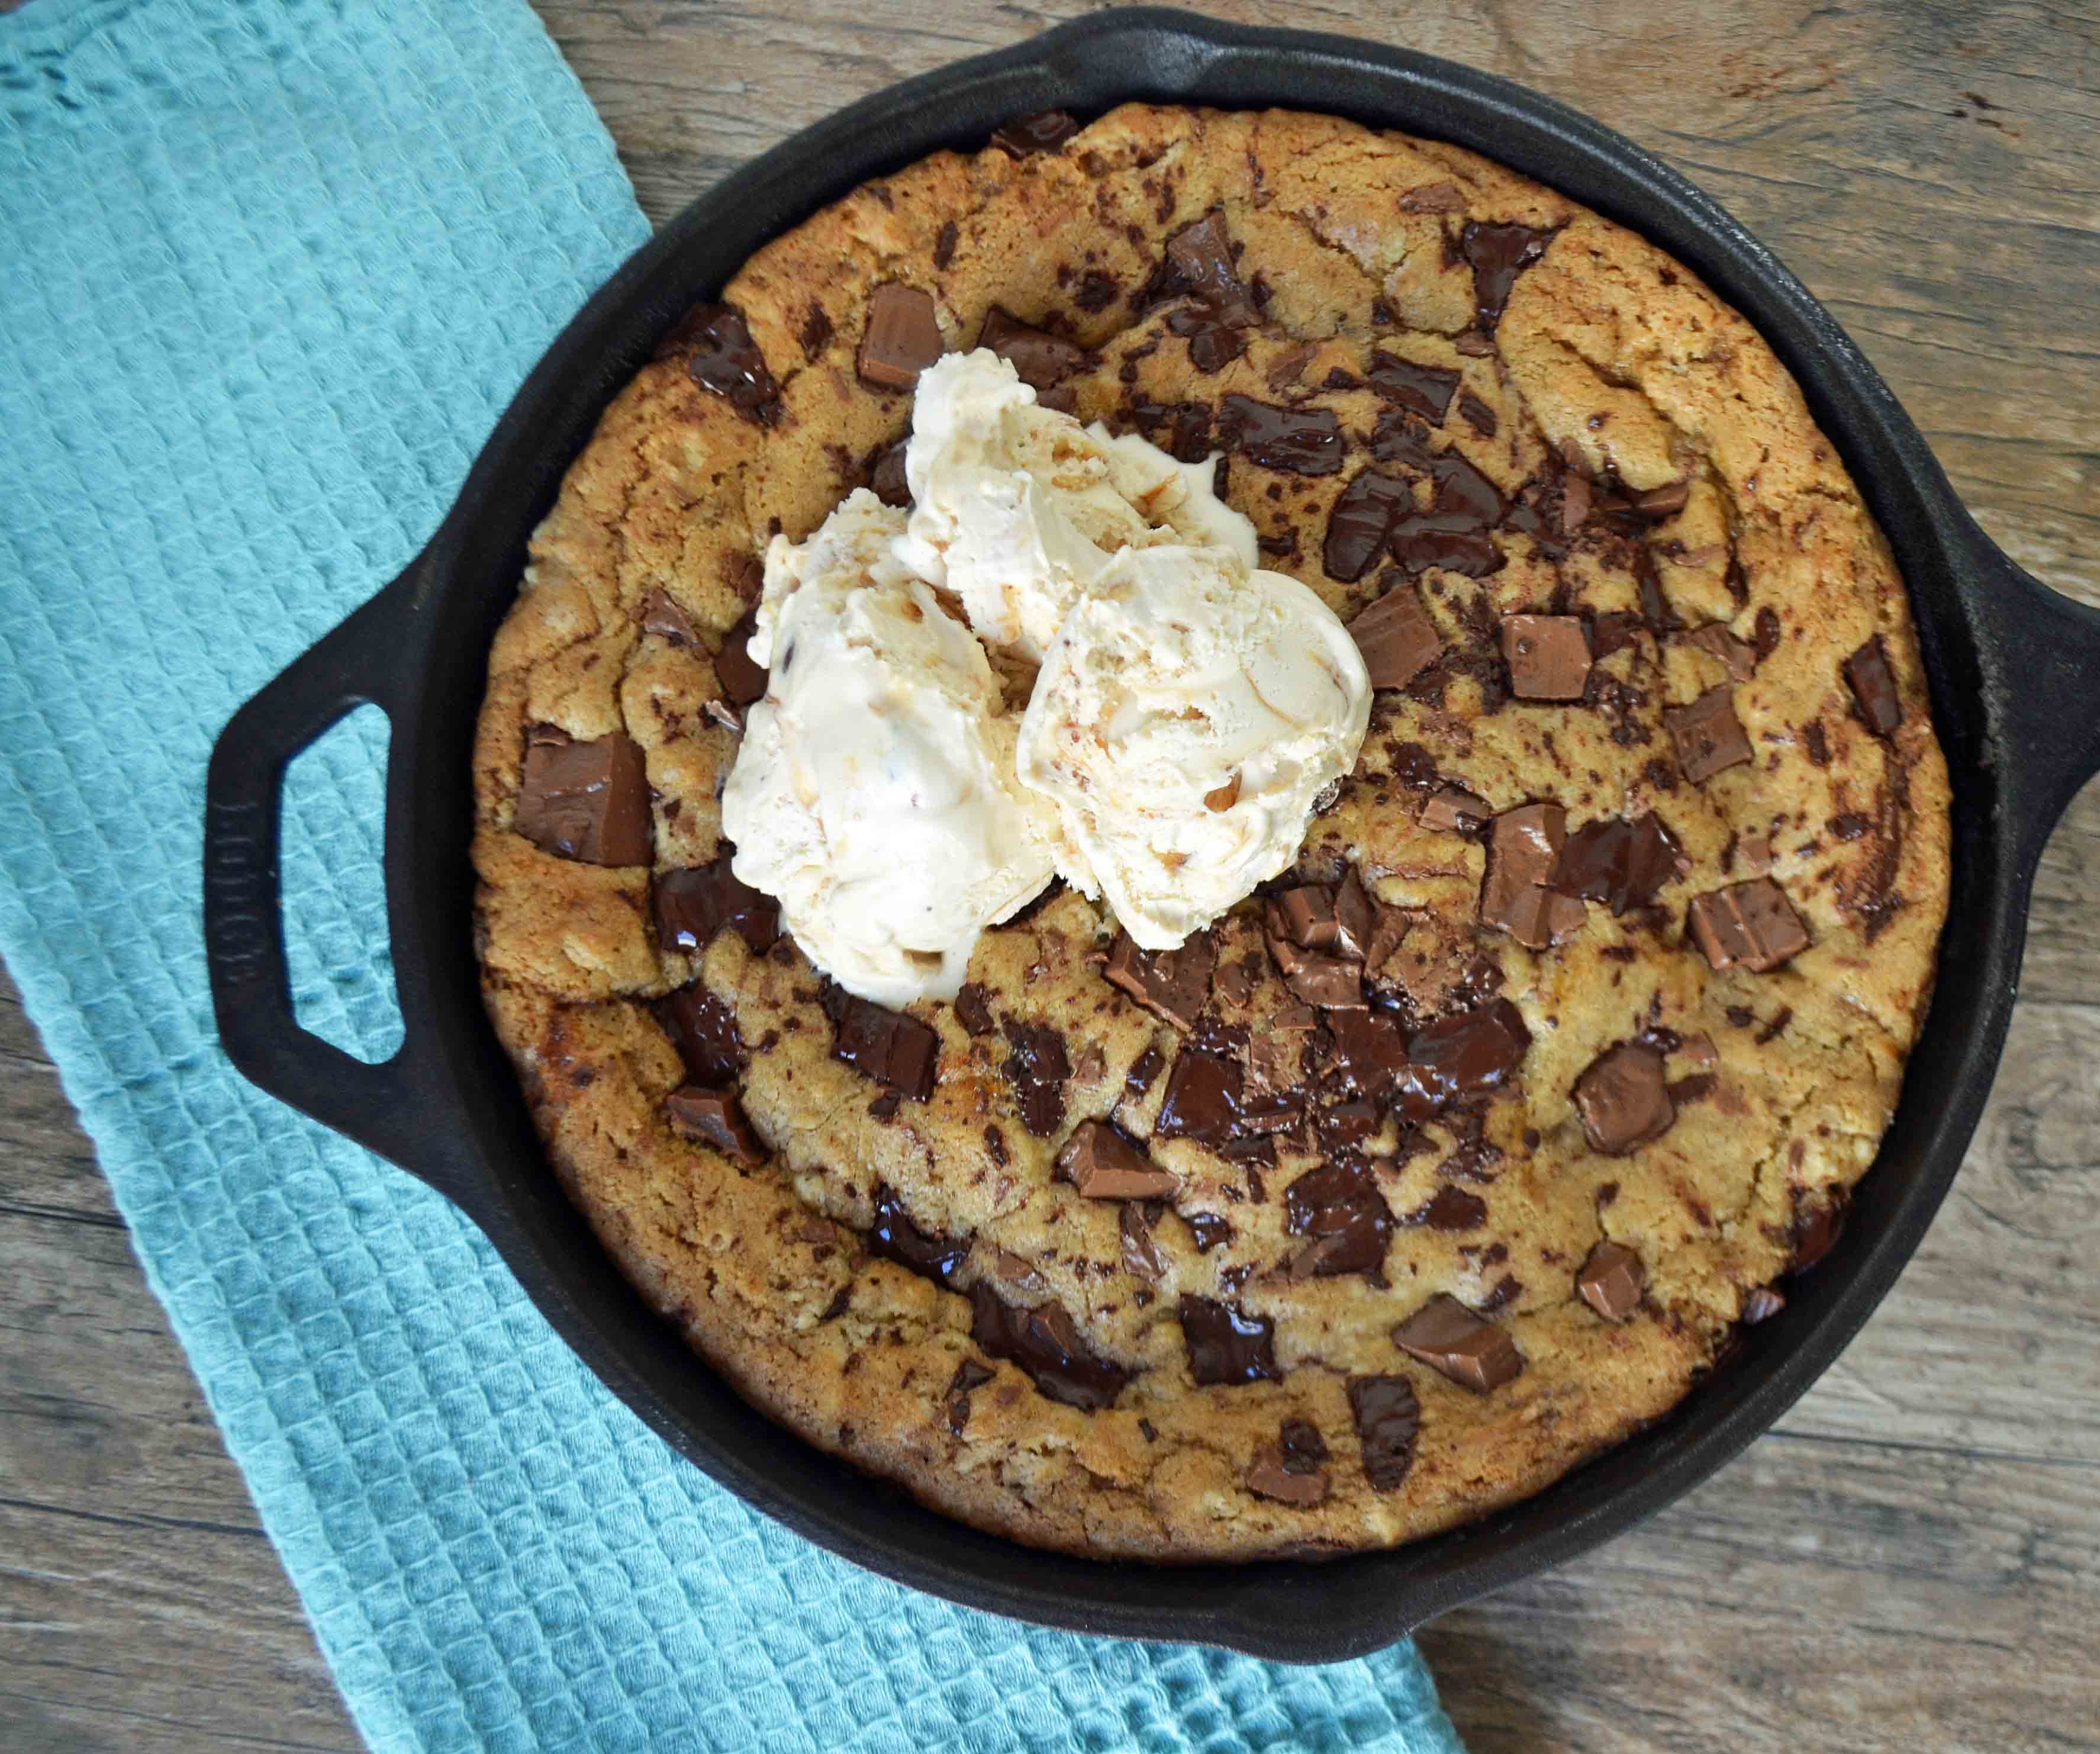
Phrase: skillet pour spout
[2011,667]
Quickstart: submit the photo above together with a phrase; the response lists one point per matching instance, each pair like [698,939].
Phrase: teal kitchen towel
[269,270]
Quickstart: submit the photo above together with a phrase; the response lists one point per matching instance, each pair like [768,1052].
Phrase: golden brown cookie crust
[1608,355]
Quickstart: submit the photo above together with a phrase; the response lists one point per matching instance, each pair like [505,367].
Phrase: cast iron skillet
[2010,664]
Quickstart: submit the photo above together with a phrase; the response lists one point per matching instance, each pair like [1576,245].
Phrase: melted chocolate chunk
[1453,534]
[1463,1056]
[1206,1101]
[588,801]
[1200,258]
[717,1118]
[1213,343]
[1707,735]
[1208,1229]
[1432,198]
[1751,925]
[1339,1211]
[973,1009]
[901,337]
[1497,254]
[1874,687]
[1105,1164]
[1226,1346]
[895,1237]
[1654,607]
[882,1045]
[1396,636]
[1143,1070]
[1619,862]
[1299,441]
[1388,1420]
[693,904]
[1423,390]
[1173,985]
[1611,1280]
[1042,360]
[1455,1343]
[1548,656]
[1624,1099]
[1045,1343]
[1368,1051]
[1043,131]
[1182,429]
[1361,522]
[702,1028]
[727,361]
[1450,1208]
[1038,1068]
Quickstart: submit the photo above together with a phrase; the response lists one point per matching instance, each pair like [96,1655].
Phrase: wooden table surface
[1912,1561]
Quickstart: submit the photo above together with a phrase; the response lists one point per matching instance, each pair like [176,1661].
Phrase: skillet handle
[2040,653]
[385,1106]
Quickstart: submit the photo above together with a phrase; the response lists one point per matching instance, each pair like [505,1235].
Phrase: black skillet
[2012,666]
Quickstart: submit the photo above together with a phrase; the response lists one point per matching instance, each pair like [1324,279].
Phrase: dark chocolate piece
[1817,1225]
[1463,1056]
[693,904]
[1043,131]
[586,801]
[1388,1419]
[1497,254]
[1622,862]
[1173,985]
[1201,256]
[1140,1248]
[727,361]
[886,476]
[973,1009]
[1423,390]
[1104,1164]
[1715,639]
[1623,1098]
[1548,656]
[1707,735]
[702,1028]
[1525,847]
[1611,1280]
[717,1118]
[742,680]
[1453,534]
[1206,1100]
[1338,1208]
[1361,522]
[1450,1208]
[1331,982]
[1208,1229]
[1874,686]
[1225,1344]
[969,1374]
[1369,1050]
[1479,416]
[1396,637]
[895,1236]
[1042,360]
[1213,343]
[1454,1342]
[1298,441]
[901,337]
[1760,1305]
[1751,925]
[1038,1068]
[883,1045]
[1356,918]
[1045,1343]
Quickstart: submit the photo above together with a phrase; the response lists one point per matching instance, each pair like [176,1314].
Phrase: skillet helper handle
[378,1105]
[2041,654]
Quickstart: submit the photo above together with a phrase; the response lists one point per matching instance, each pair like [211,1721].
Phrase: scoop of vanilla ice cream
[1017,508]
[1184,719]
[875,795]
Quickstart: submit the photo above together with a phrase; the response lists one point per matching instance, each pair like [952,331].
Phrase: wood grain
[1912,1561]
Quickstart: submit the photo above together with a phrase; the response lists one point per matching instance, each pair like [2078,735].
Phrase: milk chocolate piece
[1623,1098]
[1454,1342]
[702,1028]
[1338,1208]
[901,338]
[1497,254]
[1749,925]
[1140,1248]
[1622,862]
[1454,810]
[1104,1165]
[1356,918]
[662,616]
[1388,1419]
[895,1236]
[1045,1343]
[1707,735]
[1423,390]
[1525,847]
[1225,1344]
[1874,686]
[1611,1280]
[1432,198]
[1740,657]
[727,361]
[1297,441]
[1396,637]
[883,1045]
[1201,255]
[1042,360]
[1305,916]
[1548,656]
[1173,985]
[1043,131]
[715,1117]
[587,801]
[693,904]
[742,680]
[1271,1476]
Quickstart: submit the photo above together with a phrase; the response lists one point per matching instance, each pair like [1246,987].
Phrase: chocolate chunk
[1038,1068]
[1450,1208]
[1453,534]
[901,338]
[1140,1248]
[693,904]
[1338,1208]
[1206,1100]
[1611,1280]
[1021,1274]
[1479,416]
[884,1045]
[1525,846]
[1045,1343]
[1103,1164]
[1356,918]
[886,476]
[1299,441]
[973,1009]
[1143,1070]
[1707,735]
[1173,985]
[1208,1229]
[1361,522]
[1370,1050]
[742,680]
[1463,1056]
[715,1117]
[896,1237]
[1043,131]
[1656,504]
[1432,198]
[1042,360]
[725,361]
[1622,862]
[1455,810]
[1716,640]
[1497,254]
[1474,345]
[1453,1342]
[1760,1305]
[1396,637]
[1624,1099]
[1201,255]
[1225,1344]
[1750,925]
[1817,1225]
[1213,343]
[702,1028]
[1874,687]
[586,801]
[1388,1419]
[1423,390]
[1304,916]
[662,616]
[1548,656]
[1334,982]
[1270,1476]
[969,1374]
